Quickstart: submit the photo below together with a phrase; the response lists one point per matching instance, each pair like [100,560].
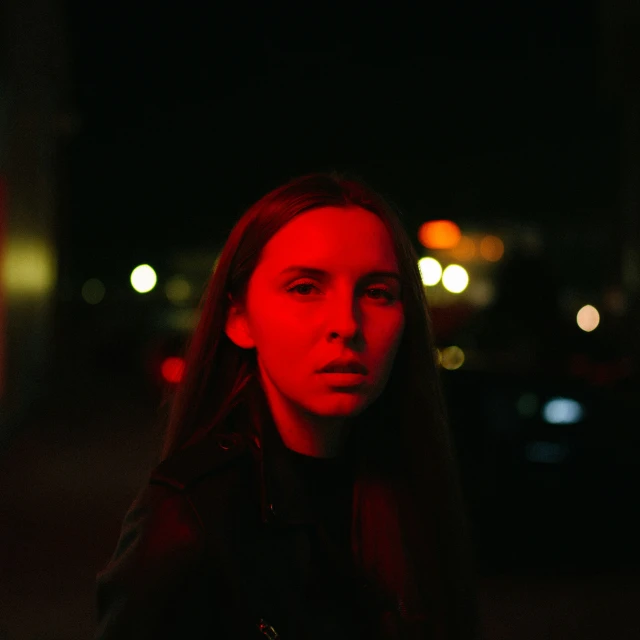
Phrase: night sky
[189,112]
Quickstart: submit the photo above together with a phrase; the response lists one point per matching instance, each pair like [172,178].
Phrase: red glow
[172,369]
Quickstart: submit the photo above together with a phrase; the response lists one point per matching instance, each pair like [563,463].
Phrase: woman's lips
[340,379]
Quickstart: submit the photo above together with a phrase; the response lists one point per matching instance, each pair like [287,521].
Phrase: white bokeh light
[455,278]
[430,271]
[143,278]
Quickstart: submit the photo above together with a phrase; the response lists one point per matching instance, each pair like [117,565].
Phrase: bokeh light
[93,291]
[455,278]
[451,358]
[27,266]
[178,289]
[481,291]
[172,369]
[143,278]
[465,249]
[491,248]
[588,318]
[527,405]
[439,234]
[562,411]
[430,271]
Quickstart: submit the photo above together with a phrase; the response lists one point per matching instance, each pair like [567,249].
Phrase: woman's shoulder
[214,454]
[164,518]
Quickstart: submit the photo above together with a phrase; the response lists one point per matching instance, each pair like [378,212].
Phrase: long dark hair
[406,435]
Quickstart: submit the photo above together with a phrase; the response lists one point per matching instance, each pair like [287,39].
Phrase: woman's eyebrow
[321,272]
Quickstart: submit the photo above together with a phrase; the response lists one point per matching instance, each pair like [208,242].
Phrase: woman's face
[299,321]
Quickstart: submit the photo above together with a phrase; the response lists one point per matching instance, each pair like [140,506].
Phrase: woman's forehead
[330,236]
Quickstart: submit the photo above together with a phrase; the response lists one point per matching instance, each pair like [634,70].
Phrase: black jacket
[221,543]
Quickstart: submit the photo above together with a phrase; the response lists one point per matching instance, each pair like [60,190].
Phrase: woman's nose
[344,318]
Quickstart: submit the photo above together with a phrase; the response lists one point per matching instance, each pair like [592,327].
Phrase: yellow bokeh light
[452,358]
[588,318]
[93,291]
[491,248]
[430,271]
[481,291]
[29,266]
[439,234]
[465,249]
[455,278]
[178,289]
[143,278]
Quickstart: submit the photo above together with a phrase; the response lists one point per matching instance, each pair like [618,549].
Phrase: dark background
[514,118]
[192,113]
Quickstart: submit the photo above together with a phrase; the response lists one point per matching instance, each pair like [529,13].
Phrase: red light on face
[172,369]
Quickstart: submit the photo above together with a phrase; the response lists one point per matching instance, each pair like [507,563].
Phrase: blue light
[562,411]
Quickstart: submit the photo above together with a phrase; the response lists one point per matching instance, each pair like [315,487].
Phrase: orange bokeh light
[464,250]
[439,234]
[491,248]
[172,369]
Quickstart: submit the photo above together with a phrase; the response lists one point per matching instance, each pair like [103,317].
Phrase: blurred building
[32,83]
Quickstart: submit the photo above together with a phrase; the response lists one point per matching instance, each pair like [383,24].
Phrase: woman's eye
[297,287]
[383,293]
[380,292]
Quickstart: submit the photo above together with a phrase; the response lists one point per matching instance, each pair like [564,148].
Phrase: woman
[307,487]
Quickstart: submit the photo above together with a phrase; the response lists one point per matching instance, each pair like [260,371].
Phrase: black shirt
[328,483]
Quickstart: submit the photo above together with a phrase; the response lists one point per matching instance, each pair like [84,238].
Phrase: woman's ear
[236,326]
